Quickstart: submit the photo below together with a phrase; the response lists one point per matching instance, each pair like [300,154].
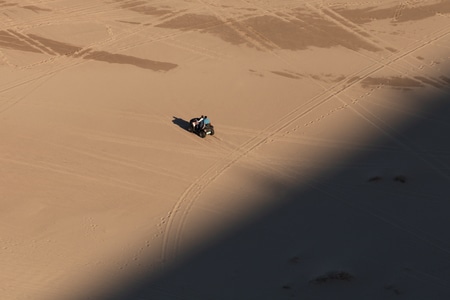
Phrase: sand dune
[328,175]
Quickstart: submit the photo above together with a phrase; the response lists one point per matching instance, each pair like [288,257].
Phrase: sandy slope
[331,152]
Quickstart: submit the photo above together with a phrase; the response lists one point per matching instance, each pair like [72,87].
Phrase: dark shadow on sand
[182,123]
[365,229]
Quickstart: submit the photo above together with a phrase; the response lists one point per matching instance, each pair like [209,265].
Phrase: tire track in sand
[101,179]
[362,33]
[60,62]
[177,216]
[66,14]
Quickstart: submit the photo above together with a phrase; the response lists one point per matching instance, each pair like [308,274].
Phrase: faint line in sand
[33,41]
[85,53]
[202,182]
[339,19]
[60,15]
[106,180]
[397,223]
[147,143]
[5,59]
[398,11]
[119,160]
[396,137]
[356,30]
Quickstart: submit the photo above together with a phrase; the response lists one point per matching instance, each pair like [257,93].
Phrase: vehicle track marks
[32,42]
[382,216]
[413,67]
[6,61]
[398,138]
[144,143]
[101,179]
[399,11]
[117,160]
[178,215]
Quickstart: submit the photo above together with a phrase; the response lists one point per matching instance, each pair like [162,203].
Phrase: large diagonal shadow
[375,227]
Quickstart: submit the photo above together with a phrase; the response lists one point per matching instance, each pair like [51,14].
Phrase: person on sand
[197,123]
[201,123]
[206,121]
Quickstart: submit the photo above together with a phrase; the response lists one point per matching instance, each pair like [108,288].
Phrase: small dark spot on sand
[393,50]
[400,178]
[294,260]
[374,179]
[286,74]
[393,289]
[333,276]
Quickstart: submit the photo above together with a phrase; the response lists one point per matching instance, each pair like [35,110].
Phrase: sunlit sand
[327,176]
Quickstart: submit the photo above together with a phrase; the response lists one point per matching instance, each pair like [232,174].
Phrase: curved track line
[188,198]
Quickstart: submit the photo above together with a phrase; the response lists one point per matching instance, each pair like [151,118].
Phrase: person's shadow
[181,123]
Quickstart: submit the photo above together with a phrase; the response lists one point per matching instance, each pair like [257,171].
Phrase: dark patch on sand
[332,276]
[254,72]
[270,32]
[396,82]
[35,9]
[38,44]
[308,30]
[205,24]
[191,22]
[287,74]
[429,81]
[131,4]
[339,78]
[400,178]
[130,60]
[404,83]
[395,13]
[142,8]
[58,47]
[294,260]
[6,4]
[129,22]
[374,179]
[353,79]
[393,289]
[390,49]
[8,40]
[328,77]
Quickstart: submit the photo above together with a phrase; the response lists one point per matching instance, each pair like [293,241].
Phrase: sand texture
[328,176]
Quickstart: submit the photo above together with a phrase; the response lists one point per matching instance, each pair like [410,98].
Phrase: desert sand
[328,176]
